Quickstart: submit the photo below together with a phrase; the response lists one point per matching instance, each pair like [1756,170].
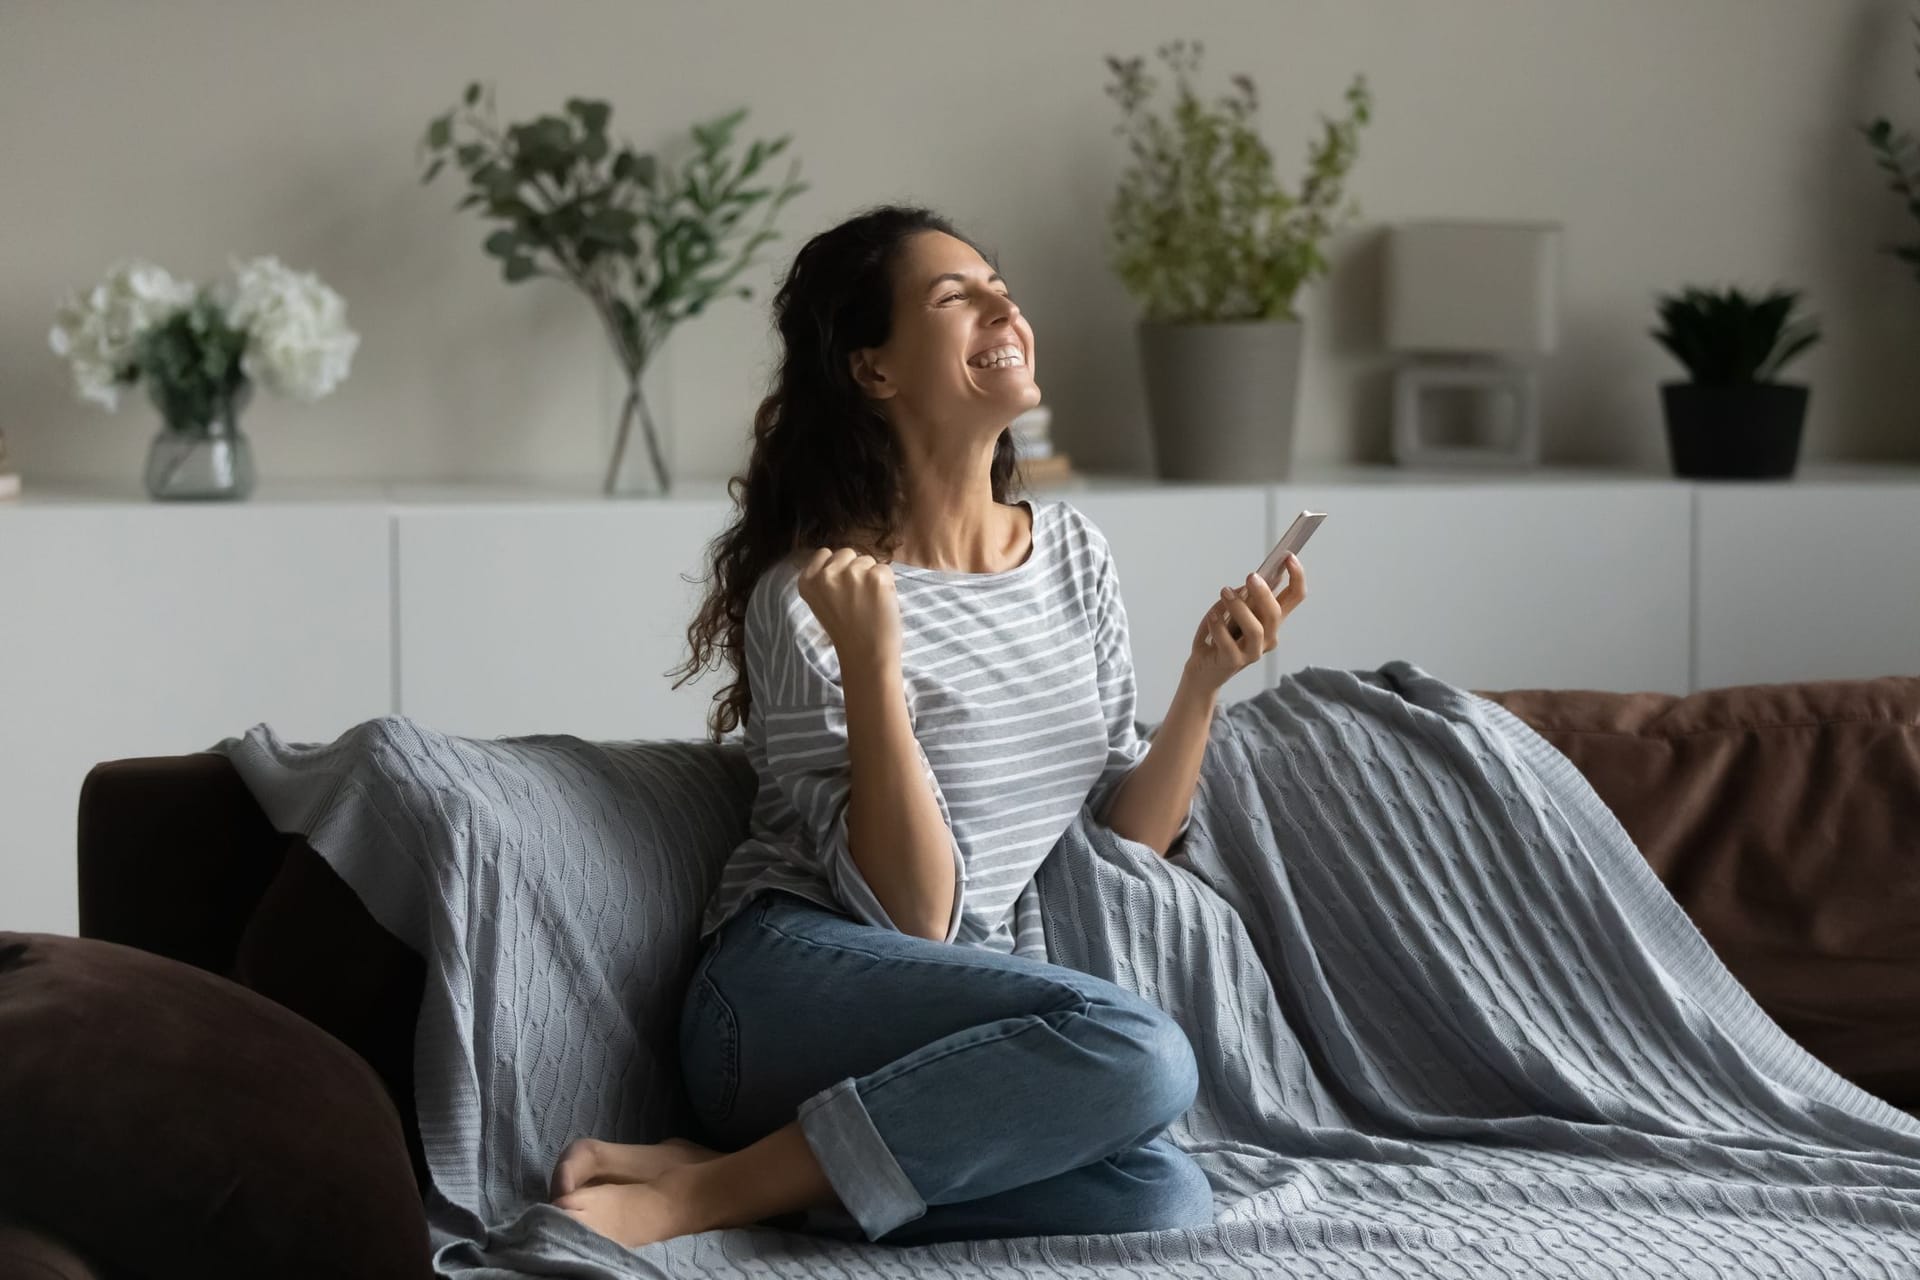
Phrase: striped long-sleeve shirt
[1020,690]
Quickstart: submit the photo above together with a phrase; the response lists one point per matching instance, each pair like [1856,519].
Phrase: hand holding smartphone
[1275,564]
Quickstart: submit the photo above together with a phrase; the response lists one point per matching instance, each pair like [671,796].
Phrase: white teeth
[998,358]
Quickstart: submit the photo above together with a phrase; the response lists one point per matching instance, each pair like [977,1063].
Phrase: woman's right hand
[852,595]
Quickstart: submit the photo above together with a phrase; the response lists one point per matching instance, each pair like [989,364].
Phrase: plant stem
[636,403]
[620,440]
[653,441]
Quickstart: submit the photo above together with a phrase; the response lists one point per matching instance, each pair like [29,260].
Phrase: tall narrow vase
[638,468]
[200,454]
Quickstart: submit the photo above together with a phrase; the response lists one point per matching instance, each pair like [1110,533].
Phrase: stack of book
[1040,462]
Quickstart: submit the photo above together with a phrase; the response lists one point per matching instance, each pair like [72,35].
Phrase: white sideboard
[129,627]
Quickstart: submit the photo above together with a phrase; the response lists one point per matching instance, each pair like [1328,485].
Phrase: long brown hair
[824,466]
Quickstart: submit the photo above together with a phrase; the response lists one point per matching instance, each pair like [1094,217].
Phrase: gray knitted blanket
[1448,1021]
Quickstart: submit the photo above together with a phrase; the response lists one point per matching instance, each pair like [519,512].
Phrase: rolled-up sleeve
[1127,745]
[793,672]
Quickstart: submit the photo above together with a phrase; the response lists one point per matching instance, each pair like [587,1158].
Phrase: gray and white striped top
[1020,689]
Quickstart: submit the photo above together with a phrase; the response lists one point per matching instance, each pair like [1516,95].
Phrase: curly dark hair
[824,467]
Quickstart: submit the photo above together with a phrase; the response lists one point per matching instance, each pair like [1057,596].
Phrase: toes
[575,1167]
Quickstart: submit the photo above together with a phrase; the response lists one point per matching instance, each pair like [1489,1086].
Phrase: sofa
[215,1077]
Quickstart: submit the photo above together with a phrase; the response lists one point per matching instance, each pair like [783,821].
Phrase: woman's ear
[866,373]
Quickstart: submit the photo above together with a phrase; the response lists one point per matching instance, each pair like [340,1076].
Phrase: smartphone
[1275,564]
[1291,541]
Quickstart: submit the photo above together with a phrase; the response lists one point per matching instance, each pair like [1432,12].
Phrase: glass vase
[640,466]
[197,454]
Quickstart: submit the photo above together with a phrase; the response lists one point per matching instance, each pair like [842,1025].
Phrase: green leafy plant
[1727,339]
[191,362]
[1898,156]
[648,248]
[1200,229]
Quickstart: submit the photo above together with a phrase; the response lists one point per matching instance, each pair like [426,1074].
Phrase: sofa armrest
[174,854]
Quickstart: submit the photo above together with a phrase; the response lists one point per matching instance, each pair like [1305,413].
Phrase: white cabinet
[1545,582]
[1815,581]
[1174,547]
[553,617]
[131,630]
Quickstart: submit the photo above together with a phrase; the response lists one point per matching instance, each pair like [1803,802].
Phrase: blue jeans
[949,1092]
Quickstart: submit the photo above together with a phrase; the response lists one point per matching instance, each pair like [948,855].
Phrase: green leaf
[440,131]
[519,269]
[473,93]
[433,171]
[503,244]
[593,115]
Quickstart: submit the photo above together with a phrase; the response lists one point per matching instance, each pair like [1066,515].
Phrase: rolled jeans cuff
[865,1175]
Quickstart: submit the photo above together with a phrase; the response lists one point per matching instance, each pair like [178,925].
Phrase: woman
[934,682]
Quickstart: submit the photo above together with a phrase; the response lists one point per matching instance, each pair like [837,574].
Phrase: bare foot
[589,1162]
[635,1213]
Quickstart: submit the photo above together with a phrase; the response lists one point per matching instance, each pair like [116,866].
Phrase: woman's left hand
[1217,657]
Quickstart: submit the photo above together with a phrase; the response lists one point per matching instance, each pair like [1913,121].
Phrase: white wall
[1702,140]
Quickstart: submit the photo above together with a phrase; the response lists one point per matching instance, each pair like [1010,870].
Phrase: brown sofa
[1785,818]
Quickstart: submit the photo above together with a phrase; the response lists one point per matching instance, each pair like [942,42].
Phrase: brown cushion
[1785,819]
[167,1121]
[26,1254]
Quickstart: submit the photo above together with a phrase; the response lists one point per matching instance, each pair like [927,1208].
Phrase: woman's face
[950,313]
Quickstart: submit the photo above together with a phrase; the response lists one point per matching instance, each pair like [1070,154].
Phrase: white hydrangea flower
[99,333]
[298,341]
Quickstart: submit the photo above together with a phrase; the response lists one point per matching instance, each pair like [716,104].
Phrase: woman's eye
[950,297]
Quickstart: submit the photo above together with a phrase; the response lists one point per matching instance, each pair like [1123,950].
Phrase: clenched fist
[852,595]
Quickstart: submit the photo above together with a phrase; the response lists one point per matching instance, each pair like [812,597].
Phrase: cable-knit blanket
[1448,1021]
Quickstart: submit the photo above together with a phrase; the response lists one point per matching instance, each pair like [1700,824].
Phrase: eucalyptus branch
[610,219]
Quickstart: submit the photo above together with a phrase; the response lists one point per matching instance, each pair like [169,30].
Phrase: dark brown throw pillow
[26,1254]
[1783,818]
[166,1121]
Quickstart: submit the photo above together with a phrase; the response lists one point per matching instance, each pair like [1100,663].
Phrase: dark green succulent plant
[1727,339]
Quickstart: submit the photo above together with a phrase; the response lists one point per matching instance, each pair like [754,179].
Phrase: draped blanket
[1448,1021]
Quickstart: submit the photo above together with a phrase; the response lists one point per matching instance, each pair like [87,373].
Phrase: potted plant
[1898,156]
[1216,251]
[1734,418]
[645,247]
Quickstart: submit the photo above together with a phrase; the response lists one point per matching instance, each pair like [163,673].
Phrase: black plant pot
[1734,432]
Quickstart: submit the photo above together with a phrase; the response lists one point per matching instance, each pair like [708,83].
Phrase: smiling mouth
[1004,357]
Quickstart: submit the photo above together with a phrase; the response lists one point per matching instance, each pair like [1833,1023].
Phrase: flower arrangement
[199,349]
